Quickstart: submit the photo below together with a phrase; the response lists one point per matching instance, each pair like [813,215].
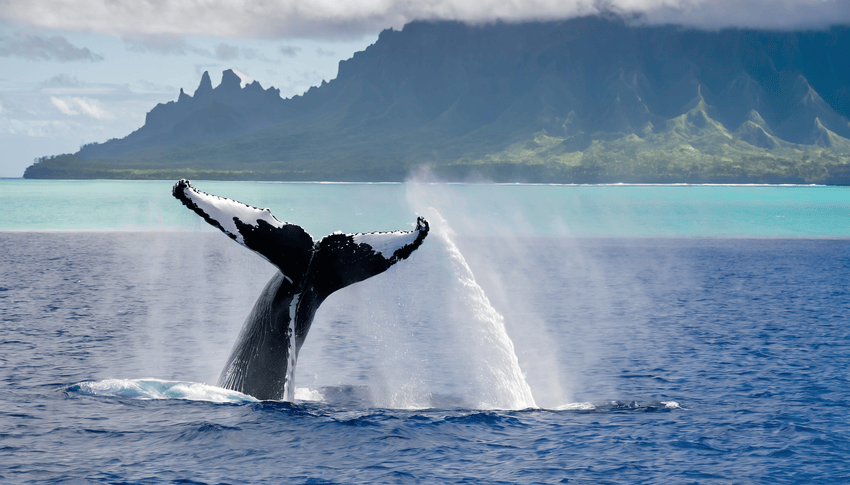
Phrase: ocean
[541,334]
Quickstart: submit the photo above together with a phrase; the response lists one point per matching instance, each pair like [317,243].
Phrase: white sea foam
[160,389]
[576,406]
[307,394]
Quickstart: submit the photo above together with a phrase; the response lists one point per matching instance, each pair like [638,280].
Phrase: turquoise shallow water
[524,210]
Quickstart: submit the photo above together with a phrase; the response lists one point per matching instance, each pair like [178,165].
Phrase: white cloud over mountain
[72,105]
[341,18]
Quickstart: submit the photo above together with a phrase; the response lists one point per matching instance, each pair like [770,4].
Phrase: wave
[615,406]
[151,388]
[159,389]
[346,396]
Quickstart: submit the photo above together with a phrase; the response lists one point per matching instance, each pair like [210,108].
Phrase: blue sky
[81,71]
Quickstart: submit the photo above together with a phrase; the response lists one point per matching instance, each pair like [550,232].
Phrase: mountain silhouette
[581,100]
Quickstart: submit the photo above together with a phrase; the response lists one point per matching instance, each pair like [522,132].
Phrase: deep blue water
[652,360]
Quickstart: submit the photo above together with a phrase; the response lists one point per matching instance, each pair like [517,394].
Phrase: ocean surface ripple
[671,360]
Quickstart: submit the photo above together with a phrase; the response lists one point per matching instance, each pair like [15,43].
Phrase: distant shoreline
[445,182]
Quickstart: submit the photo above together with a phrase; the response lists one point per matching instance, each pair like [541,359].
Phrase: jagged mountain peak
[697,121]
[183,97]
[755,135]
[229,80]
[754,117]
[205,86]
[824,137]
[701,114]
[210,114]
[805,92]
[806,109]
[698,103]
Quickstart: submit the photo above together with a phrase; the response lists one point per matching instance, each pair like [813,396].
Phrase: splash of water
[499,378]
[423,335]
[494,235]
[289,385]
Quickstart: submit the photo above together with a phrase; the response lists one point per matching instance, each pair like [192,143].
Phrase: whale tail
[263,359]
[334,262]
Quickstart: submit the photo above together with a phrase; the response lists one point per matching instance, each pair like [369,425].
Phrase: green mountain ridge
[581,101]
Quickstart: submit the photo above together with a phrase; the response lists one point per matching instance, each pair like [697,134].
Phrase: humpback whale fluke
[263,359]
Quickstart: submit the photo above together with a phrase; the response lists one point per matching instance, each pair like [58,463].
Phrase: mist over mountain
[583,100]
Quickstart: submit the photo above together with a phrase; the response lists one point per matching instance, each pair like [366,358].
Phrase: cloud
[61,81]
[33,128]
[38,48]
[351,18]
[227,52]
[74,106]
[322,52]
[152,87]
[290,50]
[66,85]
[63,106]
[156,43]
[716,14]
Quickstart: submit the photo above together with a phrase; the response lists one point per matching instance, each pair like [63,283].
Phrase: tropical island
[587,100]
